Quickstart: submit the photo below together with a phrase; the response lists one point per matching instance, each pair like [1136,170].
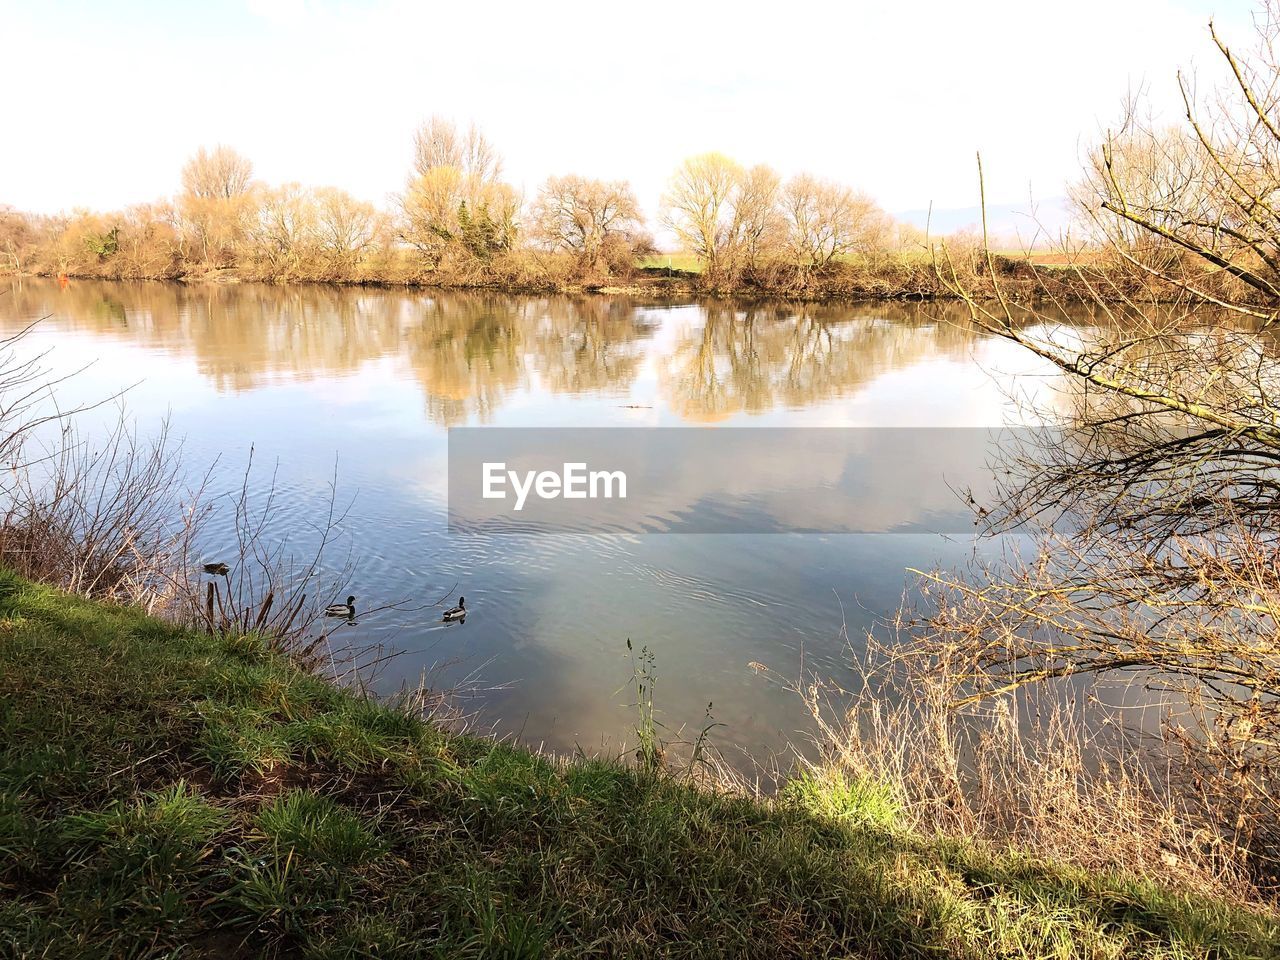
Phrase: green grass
[165,794]
[680,262]
[833,795]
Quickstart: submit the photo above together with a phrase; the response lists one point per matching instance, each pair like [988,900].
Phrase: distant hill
[1008,224]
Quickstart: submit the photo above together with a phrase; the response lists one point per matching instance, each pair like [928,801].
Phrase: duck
[347,610]
[457,613]
[217,569]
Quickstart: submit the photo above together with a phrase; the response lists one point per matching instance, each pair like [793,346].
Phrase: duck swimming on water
[346,610]
[457,613]
[217,569]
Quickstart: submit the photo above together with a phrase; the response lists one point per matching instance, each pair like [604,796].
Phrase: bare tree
[216,202]
[1156,495]
[826,220]
[699,208]
[758,229]
[1158,170]
[1202,195]
[439,143]
[455,203]
[445,212]
[148,242]
[283,230]
[17,235]
[345,226]
[736,219]
[580,216]
[217,174]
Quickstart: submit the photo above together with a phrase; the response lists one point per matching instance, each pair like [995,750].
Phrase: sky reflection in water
[366,382]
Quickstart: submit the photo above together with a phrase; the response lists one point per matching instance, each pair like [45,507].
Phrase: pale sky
[104,101]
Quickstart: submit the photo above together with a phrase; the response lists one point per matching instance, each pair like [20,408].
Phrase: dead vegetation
[105,514]
[1147,576]
[458,223]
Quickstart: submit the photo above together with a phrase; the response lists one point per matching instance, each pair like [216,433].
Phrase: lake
[365,383]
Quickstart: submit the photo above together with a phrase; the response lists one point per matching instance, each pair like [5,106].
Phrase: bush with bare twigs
[1153,501]
[1057,777]
[110,516]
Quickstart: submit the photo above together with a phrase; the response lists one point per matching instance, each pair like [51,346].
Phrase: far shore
[1019,279]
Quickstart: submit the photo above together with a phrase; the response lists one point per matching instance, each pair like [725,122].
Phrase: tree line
[459,222]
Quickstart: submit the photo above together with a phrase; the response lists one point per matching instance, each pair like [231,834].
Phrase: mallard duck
[346,610]
[457,613]
[217,569]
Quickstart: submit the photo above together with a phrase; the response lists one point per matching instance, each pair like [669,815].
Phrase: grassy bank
[163,793]
[906,279]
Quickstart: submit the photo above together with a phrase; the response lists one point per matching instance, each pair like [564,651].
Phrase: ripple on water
[371,381]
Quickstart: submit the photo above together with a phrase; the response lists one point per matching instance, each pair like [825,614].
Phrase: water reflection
[372,377]
[749,361]
[470,351]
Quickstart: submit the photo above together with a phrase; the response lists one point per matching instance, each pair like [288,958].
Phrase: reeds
[1050,774]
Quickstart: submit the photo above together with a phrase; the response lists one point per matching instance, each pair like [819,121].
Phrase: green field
[170,794]
[683,262]
[688,263]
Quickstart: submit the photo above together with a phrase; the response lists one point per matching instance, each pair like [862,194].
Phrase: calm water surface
[369,381]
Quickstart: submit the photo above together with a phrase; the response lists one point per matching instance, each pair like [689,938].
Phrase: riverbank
[163,792]
[1021,278]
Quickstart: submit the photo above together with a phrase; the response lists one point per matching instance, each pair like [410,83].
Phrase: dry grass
[1058,777]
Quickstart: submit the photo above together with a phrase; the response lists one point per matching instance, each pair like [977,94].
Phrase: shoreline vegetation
[1023,279]
[87,246]
[207,797]
[744,231]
